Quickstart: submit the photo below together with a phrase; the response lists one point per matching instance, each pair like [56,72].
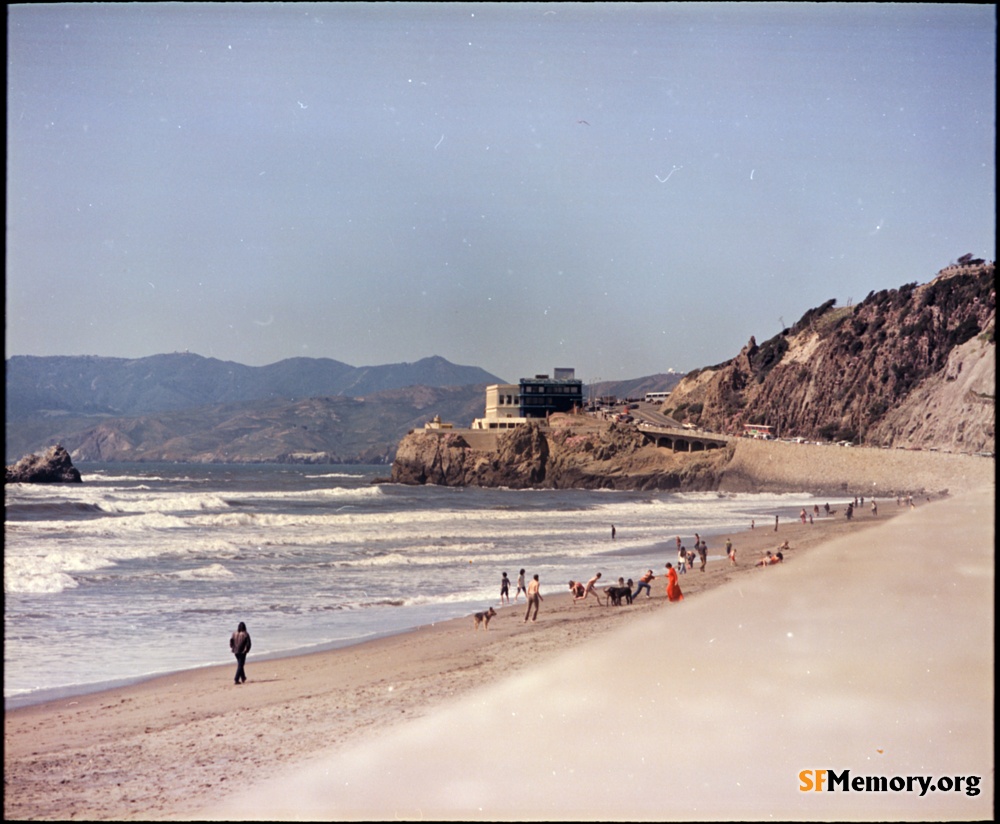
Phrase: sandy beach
[191,744]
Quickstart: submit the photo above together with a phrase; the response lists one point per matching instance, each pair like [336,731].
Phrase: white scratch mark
[665,179]
[439,142]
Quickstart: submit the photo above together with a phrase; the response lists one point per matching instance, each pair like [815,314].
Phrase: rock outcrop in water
[54,467]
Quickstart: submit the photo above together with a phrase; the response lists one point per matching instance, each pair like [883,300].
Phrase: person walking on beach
[534,597]
[612,532]
[504,589]
[682,560]
[520,586]
[874,508]
[703,554]
[239,643]
[673,588]
[644,583]
[730,551]
[775,523]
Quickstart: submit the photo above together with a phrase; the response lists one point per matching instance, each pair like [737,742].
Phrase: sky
[624,189]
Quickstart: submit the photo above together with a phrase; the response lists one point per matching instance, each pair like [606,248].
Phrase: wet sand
[864,651]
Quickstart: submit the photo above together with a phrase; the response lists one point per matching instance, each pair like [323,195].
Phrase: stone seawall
[773,466]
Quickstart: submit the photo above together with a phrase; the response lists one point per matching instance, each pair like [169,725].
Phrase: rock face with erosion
[571,452]
[913,367]
[54,467]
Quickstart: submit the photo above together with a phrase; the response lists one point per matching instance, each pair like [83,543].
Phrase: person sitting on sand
[644,584]
[765,560]
[785,547]
[673,588]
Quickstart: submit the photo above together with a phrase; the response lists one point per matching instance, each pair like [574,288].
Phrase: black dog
[618,594]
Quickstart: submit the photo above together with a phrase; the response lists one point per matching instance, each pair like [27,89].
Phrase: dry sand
[869,650]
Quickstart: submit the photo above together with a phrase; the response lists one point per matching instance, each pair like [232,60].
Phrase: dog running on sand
[484,618]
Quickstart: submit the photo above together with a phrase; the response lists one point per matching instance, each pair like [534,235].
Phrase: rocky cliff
[571,452]
[914,366]
[583,453]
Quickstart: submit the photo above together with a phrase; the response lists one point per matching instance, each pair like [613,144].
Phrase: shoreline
[43,695]
[860,669]
[127,741]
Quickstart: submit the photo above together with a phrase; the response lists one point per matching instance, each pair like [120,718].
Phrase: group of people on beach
[530,590]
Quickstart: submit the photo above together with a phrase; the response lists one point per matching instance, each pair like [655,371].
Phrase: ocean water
[147,568]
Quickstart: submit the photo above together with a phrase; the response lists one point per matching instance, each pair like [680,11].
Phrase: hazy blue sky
[618,188]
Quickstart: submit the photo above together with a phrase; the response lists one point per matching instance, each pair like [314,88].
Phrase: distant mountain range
[185,407]
[87,385]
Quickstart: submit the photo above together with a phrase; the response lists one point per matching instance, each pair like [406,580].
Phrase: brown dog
[484,618]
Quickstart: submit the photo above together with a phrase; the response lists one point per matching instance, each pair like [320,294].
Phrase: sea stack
[54,467]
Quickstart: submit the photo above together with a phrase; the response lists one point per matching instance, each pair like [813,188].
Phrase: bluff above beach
[913,367]
[909,372]
[585,453]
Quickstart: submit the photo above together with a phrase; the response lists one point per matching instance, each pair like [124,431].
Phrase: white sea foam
[176,556]
[210,572]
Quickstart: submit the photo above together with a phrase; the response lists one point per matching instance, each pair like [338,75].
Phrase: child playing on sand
[520,586]
[644,583]
[591,586]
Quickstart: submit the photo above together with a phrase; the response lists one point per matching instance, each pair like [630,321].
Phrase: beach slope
[872,654]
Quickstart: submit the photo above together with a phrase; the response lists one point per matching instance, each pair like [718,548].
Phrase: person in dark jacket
[239,643]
